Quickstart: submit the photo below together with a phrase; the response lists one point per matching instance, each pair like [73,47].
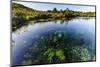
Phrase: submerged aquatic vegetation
[54,53]
[75,54]
[51,55]
[50,51]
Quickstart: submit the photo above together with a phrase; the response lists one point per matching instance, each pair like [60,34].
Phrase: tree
[55,10]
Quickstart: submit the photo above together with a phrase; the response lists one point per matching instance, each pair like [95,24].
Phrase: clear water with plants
[55,41]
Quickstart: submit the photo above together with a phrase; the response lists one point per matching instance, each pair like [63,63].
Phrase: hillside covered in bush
[22,14]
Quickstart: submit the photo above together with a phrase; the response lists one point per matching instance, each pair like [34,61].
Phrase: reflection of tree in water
[57,48]
[13,43]
[86,18]
[21,30]
[62,21]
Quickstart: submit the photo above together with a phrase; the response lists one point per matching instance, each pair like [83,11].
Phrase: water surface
[78,32]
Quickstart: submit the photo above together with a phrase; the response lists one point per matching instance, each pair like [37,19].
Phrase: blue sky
[50,6]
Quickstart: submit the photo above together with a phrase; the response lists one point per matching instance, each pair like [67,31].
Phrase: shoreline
[14,28]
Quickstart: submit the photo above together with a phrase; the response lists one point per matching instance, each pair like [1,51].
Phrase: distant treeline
[22,14]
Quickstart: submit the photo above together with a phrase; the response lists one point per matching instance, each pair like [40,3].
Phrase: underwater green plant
[54,53]
[77,54]
[52,50]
